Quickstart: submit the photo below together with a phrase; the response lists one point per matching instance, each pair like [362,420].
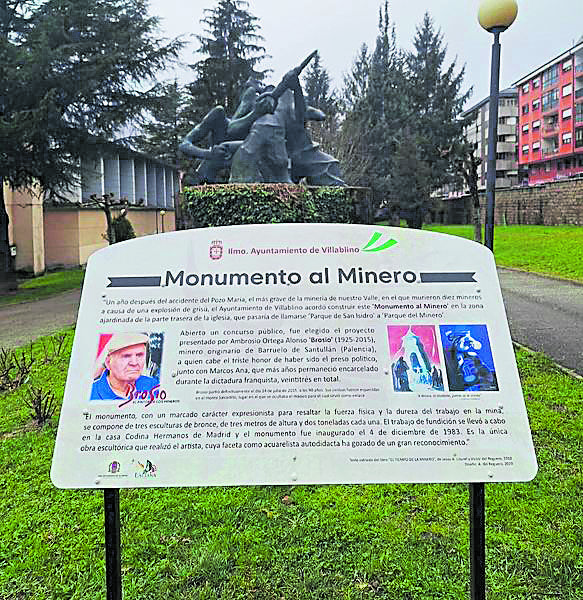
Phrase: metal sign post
[112,544]
[477,542]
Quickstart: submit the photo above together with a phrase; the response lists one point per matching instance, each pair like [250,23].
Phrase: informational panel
[279,354]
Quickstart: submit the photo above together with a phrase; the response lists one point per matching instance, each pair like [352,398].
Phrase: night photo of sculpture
[265,141]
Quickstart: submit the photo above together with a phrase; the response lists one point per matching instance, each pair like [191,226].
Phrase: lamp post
[495,16]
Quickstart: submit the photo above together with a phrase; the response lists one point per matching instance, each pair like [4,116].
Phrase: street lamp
[494,16]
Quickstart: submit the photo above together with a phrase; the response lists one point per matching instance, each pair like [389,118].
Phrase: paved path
[544,314]
[21,323]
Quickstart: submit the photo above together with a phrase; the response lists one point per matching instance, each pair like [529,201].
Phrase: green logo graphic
[374,239]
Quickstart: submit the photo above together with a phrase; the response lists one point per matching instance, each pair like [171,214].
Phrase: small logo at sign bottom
[144,469]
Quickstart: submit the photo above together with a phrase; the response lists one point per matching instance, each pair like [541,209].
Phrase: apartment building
[476,132]
[551,118]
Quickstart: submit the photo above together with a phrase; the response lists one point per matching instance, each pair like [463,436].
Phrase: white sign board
[279,354]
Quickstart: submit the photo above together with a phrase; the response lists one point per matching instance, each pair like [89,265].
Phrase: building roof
[123,150]
[562,56]
[510,92]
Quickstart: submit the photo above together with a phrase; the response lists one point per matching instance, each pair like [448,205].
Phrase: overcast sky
[337,28]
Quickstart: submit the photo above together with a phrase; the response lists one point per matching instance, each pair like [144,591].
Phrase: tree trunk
[7,273]
[415,218]
[110,228]
[476,214]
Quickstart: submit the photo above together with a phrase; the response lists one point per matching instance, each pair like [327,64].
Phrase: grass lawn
[404,542]
[554,251]
[44,286]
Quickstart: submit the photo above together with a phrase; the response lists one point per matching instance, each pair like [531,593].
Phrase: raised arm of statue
[299,102]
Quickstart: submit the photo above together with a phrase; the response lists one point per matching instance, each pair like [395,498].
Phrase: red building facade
[550,112]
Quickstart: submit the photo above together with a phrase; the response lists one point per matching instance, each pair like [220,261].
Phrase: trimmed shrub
[123,229]
[241,204]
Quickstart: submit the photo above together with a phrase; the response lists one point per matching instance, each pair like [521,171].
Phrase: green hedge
[240,204]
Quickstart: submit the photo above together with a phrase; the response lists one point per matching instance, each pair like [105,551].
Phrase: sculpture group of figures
[265,141]
[419,376]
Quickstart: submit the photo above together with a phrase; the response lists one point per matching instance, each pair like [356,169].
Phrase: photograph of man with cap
[125,358]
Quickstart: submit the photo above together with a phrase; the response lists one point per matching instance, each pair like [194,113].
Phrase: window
[536,104]
[567,65]
[579,138]
[535,125]
[550,100]
[525,88]
[535,146]
[550,77]
[535,83]
[567,114]
[525,109]
[525,148]
[567,89]
[567,137]
[525,128]
[579,112]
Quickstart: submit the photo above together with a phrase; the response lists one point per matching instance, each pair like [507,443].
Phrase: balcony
[550,151]
[550,130]
[579,93]
[505,165]
[506,147]
[550,109]
[505,129]
[579,68]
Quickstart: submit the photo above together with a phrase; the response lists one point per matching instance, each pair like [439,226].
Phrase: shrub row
[241,204]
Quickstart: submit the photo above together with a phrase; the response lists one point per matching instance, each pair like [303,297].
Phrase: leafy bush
[240,204]
[123,229]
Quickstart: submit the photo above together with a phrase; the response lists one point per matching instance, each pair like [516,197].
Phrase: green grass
[44,286]
[556,251]
[351,542]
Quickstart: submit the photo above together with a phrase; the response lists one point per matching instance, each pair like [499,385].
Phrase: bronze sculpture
[266,139]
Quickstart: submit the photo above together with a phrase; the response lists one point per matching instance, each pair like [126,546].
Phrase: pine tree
[73,72]
[410,179]
[436,99]
[320,95]
[14,22]
[374,96]
[385,103]
[317,88]
[232,52]
[161,136]
[356,82]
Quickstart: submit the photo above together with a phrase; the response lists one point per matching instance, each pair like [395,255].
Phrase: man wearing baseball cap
[125,359]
